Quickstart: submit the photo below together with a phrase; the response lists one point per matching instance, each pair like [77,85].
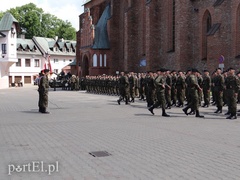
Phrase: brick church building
[141,35]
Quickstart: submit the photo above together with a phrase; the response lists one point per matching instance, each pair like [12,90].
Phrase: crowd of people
[167,88]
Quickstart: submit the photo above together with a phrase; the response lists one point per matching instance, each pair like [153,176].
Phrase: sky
[63,9]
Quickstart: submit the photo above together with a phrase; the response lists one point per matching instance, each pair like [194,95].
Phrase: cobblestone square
[141,146]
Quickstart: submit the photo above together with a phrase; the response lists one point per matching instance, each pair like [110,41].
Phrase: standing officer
[232,87]
[43,91]
[160,83]
[218,86]
[206,88]
[193,94]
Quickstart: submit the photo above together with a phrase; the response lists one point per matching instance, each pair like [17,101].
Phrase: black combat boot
[44,111]
[164,113]
[198,115]
[232,116]
[219,110]
[151,110]
[185,110]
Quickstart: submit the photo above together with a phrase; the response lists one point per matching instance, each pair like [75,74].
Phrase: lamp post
[40,19]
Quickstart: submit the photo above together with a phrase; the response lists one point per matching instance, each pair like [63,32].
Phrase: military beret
[162,70]
[46,70]
[205,70]
[194,70]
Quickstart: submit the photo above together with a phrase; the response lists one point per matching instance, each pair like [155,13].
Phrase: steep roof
[101,40]
[27,44]
[46,45]
[7,21]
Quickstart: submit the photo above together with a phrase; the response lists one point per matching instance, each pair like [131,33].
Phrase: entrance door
[85,70]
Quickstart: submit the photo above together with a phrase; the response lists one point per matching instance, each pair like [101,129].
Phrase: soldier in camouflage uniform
[181,88]
[168,88]
[232,88]
[193,94]
[43,91]
[218,86]
[160,83]
[173,89]
[132,82]
[123,88]
[149,88]
[206,88]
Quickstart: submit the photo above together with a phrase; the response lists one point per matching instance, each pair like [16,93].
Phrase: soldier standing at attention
[232,87]
[193,94]
[43,91]
[160,83]
[218,86]
[206,88]
[123,88]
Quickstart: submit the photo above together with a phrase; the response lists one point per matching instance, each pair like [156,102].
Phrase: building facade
[8,52]
[22,59]
[145,35]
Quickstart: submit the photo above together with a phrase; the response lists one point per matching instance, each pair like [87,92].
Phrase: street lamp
[40,19]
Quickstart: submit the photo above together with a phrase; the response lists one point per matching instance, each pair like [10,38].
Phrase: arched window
[94,60]
[206,26]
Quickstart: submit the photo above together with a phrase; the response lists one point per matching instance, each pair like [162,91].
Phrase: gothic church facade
[142,35]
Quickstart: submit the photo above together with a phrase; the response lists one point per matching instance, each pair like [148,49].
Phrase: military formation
[169,88]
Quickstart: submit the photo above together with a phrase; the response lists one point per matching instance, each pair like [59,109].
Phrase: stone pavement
[56,146]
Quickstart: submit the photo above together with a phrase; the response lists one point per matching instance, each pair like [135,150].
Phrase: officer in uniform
[193,94]
[43,92]
[160,83]
[232,88]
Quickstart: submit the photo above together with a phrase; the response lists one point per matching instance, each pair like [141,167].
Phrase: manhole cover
[100,153]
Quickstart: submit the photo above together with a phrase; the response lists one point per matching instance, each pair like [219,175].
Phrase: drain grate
[99,153]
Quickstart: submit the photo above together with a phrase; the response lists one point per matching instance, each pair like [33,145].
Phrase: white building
[22,59]
[8,52]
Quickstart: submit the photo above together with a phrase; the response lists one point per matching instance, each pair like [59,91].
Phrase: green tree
[34,22]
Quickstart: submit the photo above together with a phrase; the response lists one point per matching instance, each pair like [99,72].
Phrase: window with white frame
[94,60]
[27,63]
[36,62]
[105,60]
[19,63]
[100,64]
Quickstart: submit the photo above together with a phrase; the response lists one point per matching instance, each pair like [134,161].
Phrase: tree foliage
[34,22]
